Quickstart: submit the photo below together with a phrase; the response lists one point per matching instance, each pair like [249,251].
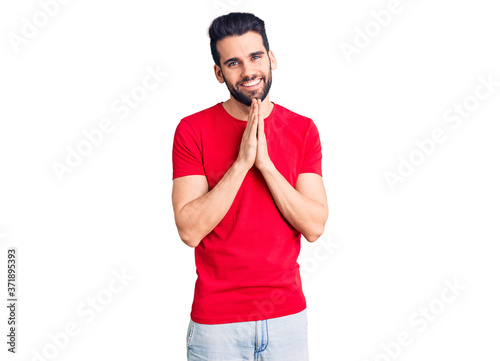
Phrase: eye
[256,57]
[231,64]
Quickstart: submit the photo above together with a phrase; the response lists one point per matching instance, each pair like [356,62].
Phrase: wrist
[268,167]
[240,166]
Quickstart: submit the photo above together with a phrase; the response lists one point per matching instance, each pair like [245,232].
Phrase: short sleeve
[186,152]
[312,152]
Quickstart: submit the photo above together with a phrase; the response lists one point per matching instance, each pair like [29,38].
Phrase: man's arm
[304,206]
[196,210]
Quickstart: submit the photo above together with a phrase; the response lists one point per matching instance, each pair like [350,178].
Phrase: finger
[261,117]
[252,110]
[255,109]
[253,104]
[258,113]
[251,116]
[255,116]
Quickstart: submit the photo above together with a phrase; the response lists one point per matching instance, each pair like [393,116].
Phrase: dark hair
[234,24]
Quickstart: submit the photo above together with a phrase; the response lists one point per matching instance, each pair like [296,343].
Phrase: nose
[247,71]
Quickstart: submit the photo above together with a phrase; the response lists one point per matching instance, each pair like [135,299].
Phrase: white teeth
[252,83]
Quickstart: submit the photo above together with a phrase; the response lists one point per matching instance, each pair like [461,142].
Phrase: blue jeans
[275,339]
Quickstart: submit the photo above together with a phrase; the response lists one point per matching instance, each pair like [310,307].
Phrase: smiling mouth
[251,84]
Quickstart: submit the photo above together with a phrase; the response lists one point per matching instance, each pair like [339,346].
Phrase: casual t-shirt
[247,265]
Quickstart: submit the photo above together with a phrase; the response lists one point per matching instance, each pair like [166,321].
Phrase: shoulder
[198,119]
[290,117]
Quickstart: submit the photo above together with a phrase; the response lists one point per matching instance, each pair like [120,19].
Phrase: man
[247,182]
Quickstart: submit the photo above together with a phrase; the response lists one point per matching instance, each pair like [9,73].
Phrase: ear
[274,64]
[218,73]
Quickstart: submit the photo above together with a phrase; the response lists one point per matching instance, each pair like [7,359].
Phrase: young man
[247,182]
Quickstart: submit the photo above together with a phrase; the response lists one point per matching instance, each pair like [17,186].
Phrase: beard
[242,97]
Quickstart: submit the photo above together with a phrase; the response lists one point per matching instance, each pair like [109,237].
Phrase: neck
[241,111]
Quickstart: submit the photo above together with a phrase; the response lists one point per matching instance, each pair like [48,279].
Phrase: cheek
[230,81]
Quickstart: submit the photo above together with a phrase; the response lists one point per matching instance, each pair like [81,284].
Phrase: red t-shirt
[247,265]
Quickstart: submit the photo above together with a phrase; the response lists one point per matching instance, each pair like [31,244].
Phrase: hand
[248,145]
[262,159]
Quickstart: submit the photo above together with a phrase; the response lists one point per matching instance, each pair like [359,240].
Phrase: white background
[394,248]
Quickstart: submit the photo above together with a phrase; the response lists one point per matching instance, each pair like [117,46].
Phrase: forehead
[240,46]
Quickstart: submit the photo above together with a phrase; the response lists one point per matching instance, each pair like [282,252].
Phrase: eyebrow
[236,59]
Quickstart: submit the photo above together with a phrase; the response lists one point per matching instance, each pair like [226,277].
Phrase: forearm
[200,216]
[305,215]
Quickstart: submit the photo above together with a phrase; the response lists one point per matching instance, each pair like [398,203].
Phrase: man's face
[245,67]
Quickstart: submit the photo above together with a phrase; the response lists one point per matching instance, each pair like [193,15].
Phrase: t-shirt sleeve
[186,152]
[312,152]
